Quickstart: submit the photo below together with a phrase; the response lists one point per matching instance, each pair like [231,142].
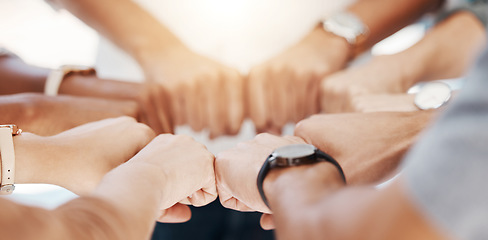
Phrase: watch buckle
[7,189]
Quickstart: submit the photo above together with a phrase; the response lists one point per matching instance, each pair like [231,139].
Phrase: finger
[235,92]
[256,96]
[163,105]
[301,92]
[154,114]
[201,198]
[235,204]
[279,83]
[201,106]
[329,96]
[178,213]
[190,100]
[311,99]
[179,105]
[217,103]
[267,222]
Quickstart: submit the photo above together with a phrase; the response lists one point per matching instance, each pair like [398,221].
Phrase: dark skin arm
[152,102]
[384,18]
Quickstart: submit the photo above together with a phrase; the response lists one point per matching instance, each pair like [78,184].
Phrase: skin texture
[278,91]
[152,105]
[384,103]
[362,154]
[317,206]
[205,93]
[394,74]
[237,170]
[79,161]
[373,144]
[45,116]
[122,204]
[285,88]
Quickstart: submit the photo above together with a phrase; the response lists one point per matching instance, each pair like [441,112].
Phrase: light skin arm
[194,82]
[383,17]
[285,88]
[128,199]
[74,159]
[446,51]
[367,154]
[310,209]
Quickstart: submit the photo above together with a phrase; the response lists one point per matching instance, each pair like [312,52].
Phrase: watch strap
[261,175]
[327,158]
[354,34]
[321,157]
[7,158]
[56,77]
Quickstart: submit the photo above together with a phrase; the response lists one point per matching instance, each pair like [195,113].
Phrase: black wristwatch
[293,155]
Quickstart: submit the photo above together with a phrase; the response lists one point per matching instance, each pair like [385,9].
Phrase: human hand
[285,88]
[78,158]
[153,102]
[382,75]
[204,93]
[187,167]
[237,170]
[44,115]
[384,103]
[368,146]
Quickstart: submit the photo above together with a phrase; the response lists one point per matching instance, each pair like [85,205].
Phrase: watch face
[295,151]
[432,95]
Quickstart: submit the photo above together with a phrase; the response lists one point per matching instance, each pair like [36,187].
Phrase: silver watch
[432,95]
[347,26]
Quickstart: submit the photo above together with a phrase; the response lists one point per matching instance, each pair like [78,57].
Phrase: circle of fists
[191,175]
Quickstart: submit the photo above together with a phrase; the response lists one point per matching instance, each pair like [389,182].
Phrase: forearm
[18,77]
[449,49]
[341,214]
[92,86]
[365,154]
[382,164]
[19,109]
[384,17]
[125,23]
[135,196]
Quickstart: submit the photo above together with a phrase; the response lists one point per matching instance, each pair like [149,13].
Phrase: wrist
[304,184]
[412,65]
[35,159]
[328,41]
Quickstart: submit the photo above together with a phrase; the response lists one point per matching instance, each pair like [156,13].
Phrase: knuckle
[145,131]
[262,136]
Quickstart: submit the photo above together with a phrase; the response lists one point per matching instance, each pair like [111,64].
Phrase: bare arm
[373,144]
[124,203]
[310,209]
[384,17]
[166,61]
[153,104]
[446,51]
[125,23]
